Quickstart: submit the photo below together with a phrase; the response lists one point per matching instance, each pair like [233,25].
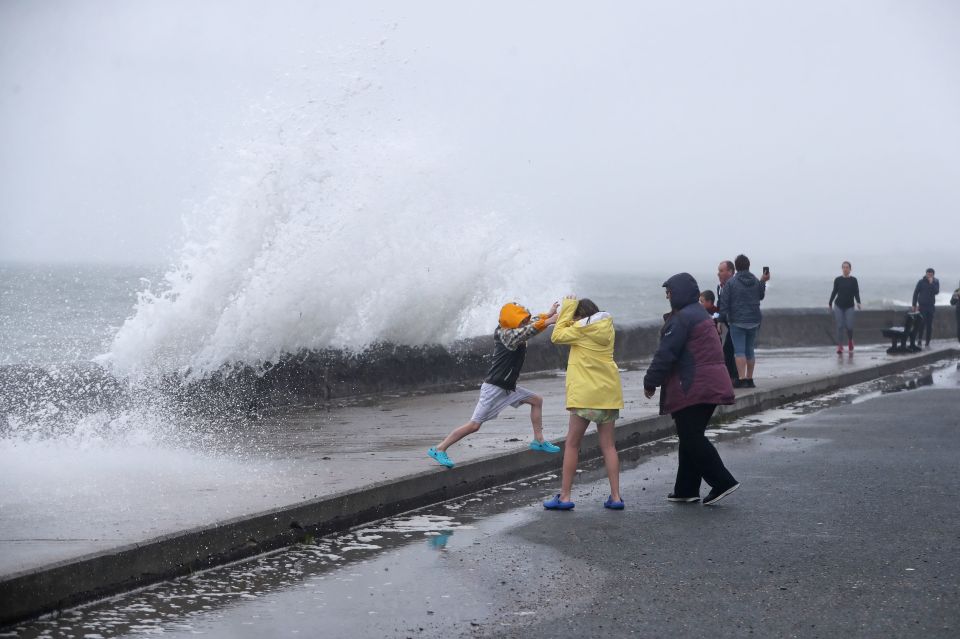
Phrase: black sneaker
[715,496]
[748,383]
[682,500]
[738,383]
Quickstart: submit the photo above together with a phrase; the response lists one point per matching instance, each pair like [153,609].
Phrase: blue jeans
[743,341]
[844,319]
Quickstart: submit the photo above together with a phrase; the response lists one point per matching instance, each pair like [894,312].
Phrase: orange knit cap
[512,315]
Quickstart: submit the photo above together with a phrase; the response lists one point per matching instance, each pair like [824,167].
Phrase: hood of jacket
[599,329]
[512,315]
[747,279]
[684,290]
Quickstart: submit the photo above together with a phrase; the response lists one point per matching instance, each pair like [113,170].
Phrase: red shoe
[851,346]
[839,349]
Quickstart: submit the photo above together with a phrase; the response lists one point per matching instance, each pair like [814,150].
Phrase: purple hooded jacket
[689,362]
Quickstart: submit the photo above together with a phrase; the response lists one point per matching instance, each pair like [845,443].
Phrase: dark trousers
[926,325]
[728,356]
[698,458]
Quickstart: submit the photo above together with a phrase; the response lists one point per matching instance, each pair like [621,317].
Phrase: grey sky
[637,131]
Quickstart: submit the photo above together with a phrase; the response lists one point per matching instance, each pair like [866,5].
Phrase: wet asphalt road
[847,524]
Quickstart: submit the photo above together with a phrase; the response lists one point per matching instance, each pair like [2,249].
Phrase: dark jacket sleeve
[856,290]
[763,289]
[724,303]
[833,294]
[671,345]
[936,286]
[916,293]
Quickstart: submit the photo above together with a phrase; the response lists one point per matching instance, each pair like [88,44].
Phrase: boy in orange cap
[499,388]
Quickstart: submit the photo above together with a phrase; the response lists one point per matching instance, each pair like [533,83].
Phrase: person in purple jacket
[690,371]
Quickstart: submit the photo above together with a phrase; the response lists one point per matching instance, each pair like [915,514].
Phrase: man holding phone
[740,308]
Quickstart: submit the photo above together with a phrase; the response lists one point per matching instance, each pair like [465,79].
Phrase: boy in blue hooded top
[740,309]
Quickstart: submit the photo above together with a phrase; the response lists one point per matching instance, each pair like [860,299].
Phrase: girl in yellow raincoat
[594,393]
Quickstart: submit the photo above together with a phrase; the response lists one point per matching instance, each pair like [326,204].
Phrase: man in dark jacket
[689,369]
[925,300]
[955,302]
[724,272]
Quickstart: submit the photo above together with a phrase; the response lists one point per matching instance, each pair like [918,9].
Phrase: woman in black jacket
[846,292]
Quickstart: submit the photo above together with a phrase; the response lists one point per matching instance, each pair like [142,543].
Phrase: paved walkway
[845,526]
[63,499]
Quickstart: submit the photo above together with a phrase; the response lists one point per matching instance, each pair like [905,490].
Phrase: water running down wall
[314,377]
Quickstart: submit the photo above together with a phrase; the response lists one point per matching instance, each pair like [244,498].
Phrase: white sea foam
[326,233]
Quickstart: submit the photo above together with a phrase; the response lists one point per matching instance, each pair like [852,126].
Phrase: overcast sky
[639,131]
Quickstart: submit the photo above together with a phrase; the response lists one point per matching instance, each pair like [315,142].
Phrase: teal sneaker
[441,457]
[544,446]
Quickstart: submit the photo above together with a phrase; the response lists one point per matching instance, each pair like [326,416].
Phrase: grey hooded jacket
[740,299]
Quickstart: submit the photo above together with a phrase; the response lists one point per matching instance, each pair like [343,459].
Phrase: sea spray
[328,234]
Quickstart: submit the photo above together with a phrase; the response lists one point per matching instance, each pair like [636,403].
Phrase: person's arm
[916,294]
[671,345]
[513,337]
[566,331]
[724,304]
[936,287]
[856,292]
[763,288]
[836,289]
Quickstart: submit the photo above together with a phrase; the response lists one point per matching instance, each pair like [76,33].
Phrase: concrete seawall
[68,583]
[316,377]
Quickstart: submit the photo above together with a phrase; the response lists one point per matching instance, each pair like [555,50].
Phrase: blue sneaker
[441,457]
[556,504]
[544,446]
[613,505]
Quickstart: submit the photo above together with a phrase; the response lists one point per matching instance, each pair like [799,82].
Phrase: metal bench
[900,334]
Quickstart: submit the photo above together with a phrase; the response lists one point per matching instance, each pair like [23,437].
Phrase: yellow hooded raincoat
[593,380]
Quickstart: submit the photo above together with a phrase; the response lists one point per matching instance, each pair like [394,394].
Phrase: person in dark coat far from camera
[688,368]
[955,302]
[925,301]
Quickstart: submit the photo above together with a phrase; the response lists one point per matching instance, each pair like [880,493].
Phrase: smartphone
[766,270]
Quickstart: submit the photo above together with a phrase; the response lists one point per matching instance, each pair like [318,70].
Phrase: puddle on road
[189,605]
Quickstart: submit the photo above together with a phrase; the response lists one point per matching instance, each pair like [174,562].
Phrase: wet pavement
[846,525]
[61,498]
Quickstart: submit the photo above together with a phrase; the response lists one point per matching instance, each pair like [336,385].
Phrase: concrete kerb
[72,582]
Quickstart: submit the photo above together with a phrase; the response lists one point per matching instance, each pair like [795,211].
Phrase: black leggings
[698,458]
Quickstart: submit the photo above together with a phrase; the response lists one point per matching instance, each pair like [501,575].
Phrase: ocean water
[55,314]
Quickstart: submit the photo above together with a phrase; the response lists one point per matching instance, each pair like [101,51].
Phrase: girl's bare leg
[571,453]
[458,434]
[610,457]
[536,415]
[750,364]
